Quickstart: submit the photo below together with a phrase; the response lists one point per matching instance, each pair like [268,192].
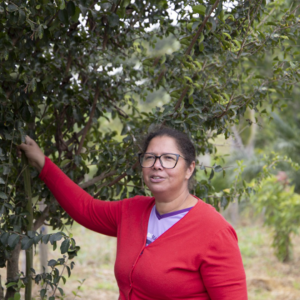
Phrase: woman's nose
[157,164]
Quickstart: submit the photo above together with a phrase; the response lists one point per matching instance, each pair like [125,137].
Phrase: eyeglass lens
[166,160]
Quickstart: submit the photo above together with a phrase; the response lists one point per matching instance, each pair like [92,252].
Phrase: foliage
[281,207]
[66,66]
[275,198]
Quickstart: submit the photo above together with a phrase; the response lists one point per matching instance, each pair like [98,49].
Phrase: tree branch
[250,21]
[116,180]
[88,125]
[160,76]
[96,179]
[41,219]
[68,63]
[178,103]
[194,40]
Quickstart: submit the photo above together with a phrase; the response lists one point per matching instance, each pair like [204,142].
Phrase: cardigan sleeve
[222,271]
[97,215]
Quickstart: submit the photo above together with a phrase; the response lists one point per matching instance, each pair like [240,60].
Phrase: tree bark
[29,252]
[1,291]
[12,270]
[43,248]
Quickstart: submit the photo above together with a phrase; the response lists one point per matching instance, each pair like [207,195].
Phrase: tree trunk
[43,252]
[12,270]
[29,252]
[1,290]
[43,248]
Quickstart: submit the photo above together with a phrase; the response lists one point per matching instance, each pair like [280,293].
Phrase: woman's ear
[190,170]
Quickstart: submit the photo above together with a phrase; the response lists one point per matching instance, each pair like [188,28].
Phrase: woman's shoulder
[208,215]
[138,201]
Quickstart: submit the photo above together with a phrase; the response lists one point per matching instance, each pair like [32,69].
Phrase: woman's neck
[166,205]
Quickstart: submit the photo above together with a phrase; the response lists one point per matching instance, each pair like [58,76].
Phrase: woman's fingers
[29,141]
[35,156]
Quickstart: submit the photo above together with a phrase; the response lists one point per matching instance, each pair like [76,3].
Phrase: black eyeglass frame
[158,157]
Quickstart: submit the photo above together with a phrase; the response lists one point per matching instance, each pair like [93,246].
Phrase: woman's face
[160,180]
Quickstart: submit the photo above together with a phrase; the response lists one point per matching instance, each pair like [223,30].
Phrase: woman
[169,246]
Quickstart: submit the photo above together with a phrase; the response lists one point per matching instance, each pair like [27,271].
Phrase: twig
[266,17]
[6,183]
[59,278]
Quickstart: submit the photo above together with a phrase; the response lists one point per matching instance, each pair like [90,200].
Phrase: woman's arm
[97,215]
[223,271]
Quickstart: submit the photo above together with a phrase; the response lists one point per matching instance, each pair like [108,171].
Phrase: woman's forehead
[163,144]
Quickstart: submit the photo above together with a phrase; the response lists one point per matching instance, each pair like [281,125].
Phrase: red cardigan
[197,258]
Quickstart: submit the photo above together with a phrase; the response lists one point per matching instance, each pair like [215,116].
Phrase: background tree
[67,67]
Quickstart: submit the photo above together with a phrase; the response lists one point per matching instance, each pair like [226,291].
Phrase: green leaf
[45,238]
[71,8]
[65,246]
[11,284]
[201,47]
[64,162]
[52,263]
[218,169]
[3,196]
[17,296]
[61,291]
[188,79]
[26,243]
[62,5]
[63,16]
[271,23]
[212,173]
[195,25]
[83,9]
[113,20]
[22,17]
[69,271]
[199,9]
[227,35]
[4,238]
[237,43]
[64,279]
[76,15]
[37,238]
[13,240]
[201,38]
[40,31]
[43,293]
[12,8]
[55,237]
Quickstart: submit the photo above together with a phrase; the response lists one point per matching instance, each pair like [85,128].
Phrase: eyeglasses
[167,160]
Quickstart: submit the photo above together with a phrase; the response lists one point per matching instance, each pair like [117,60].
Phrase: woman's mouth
[156,179]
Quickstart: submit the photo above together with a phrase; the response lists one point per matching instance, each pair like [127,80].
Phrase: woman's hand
[36,157]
